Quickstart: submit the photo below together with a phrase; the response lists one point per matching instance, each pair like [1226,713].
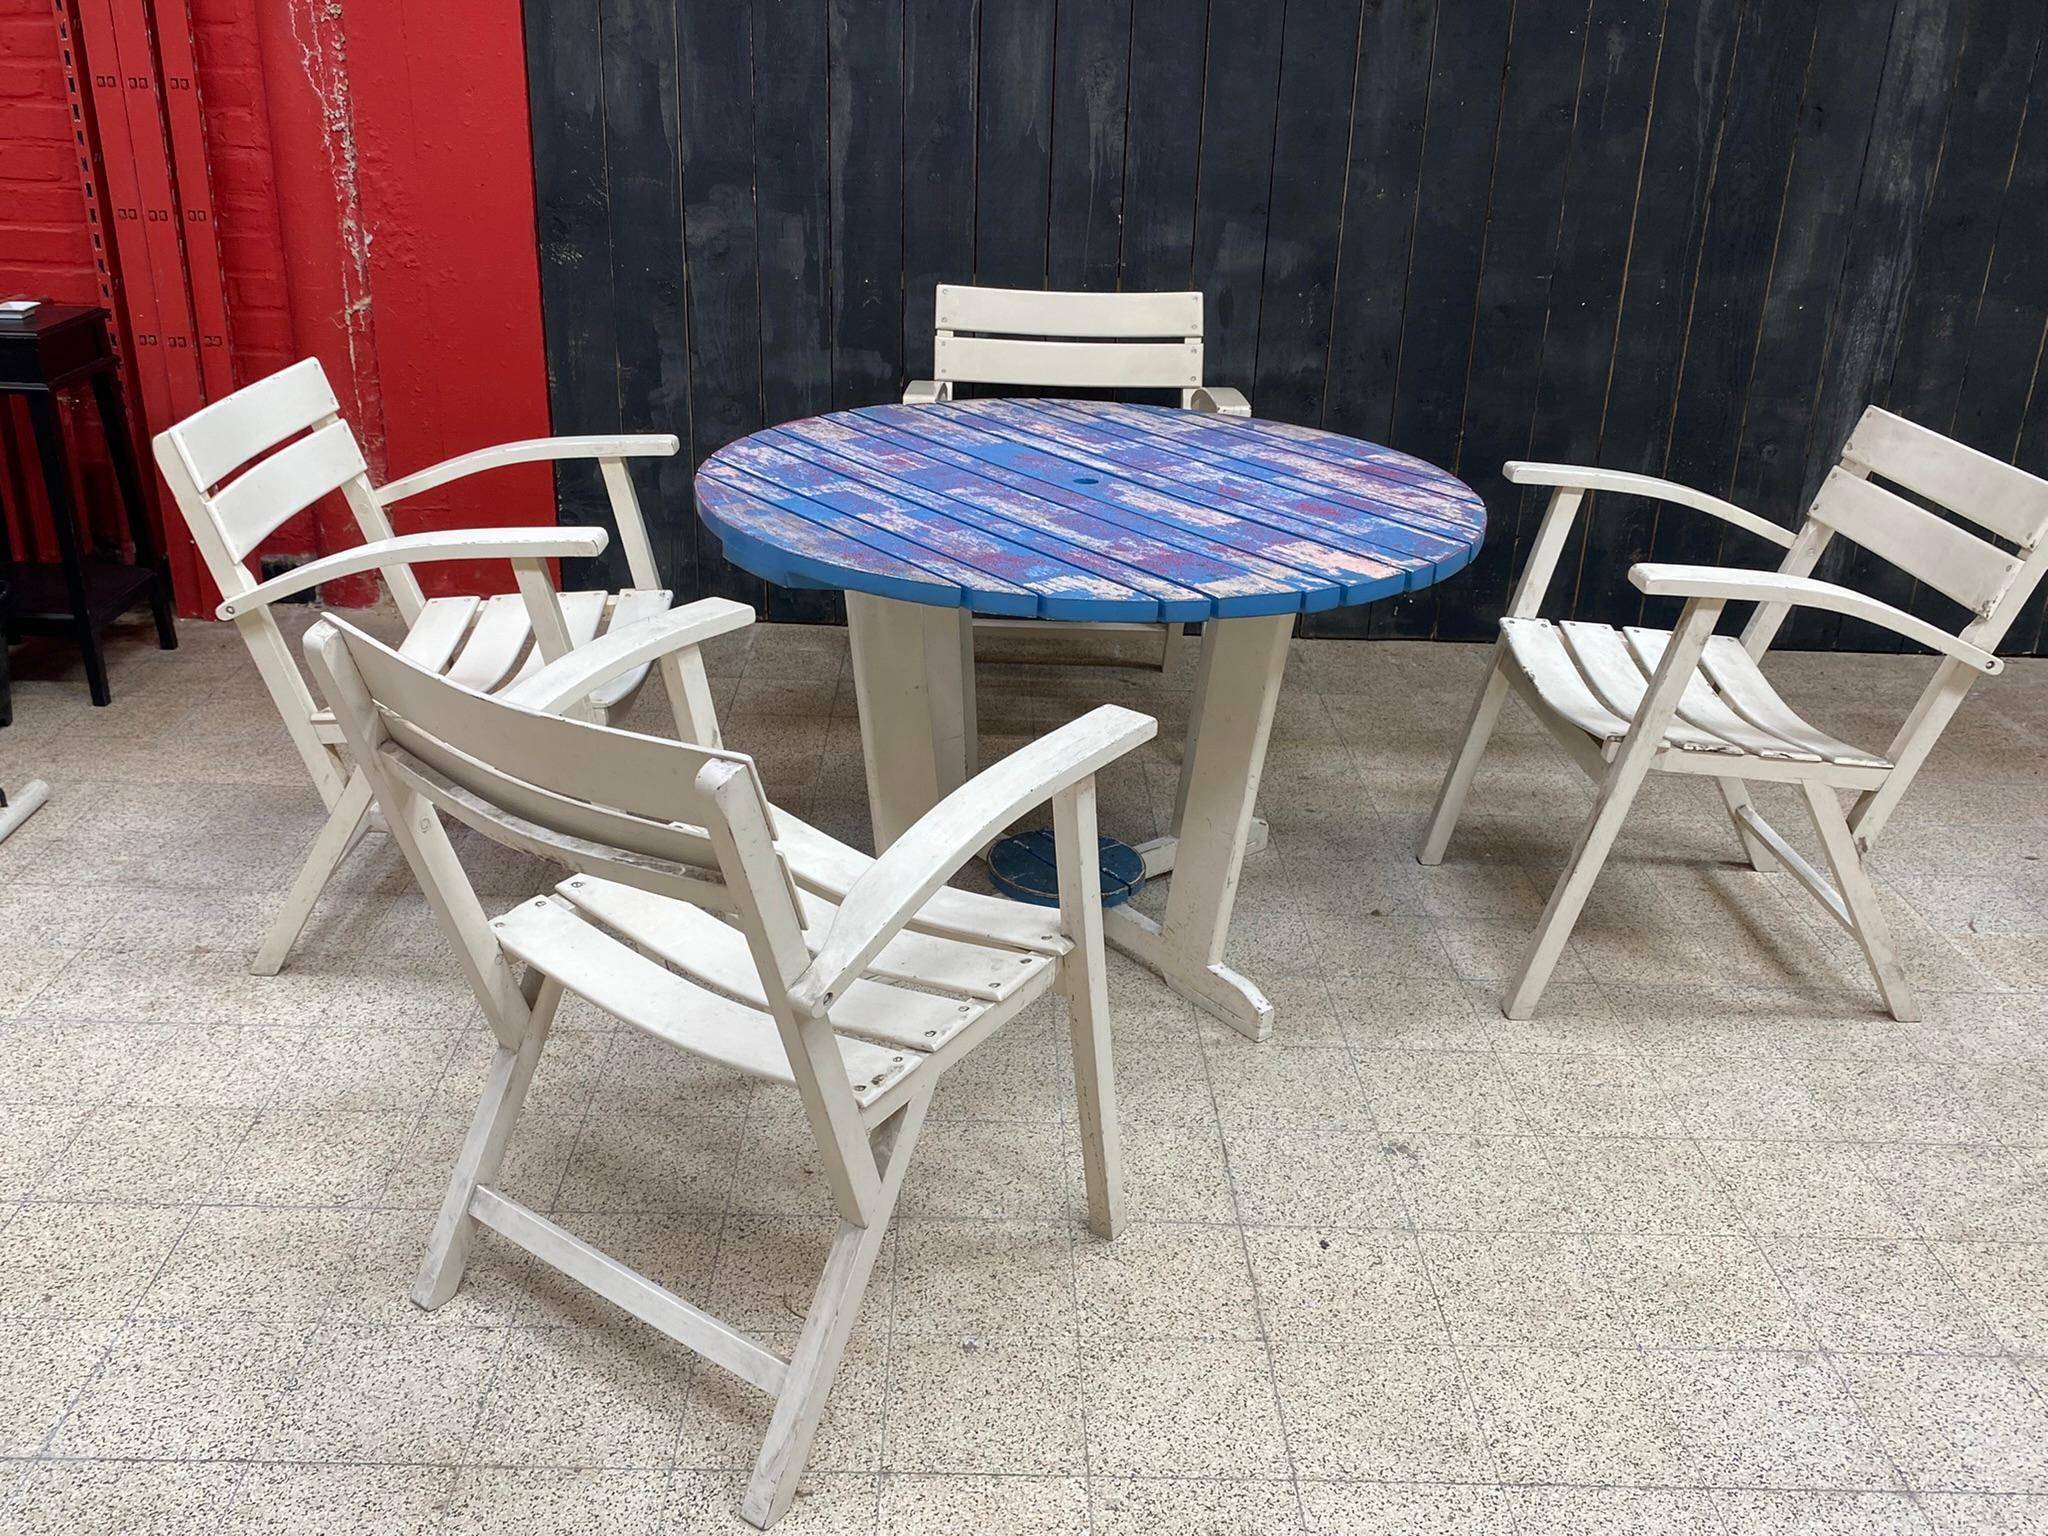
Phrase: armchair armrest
[926,392]
[1586,477]
[562,683]
[520,545]
[640,445]
[1720,584]
[1218,399]
[924,858]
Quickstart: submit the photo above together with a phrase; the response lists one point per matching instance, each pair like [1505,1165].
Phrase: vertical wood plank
[1830,148]
[1090,100]
[1013,159]
[1319,55]
[866,156]
[1466,83]
[1547,59]
[2002,376]
[1604,172]
[1233,189]
[940,65]
[792,206]
[1986,107]
[792,223]
[565,81]
[715,69]
[643,150]
[1168,46]
[1744,206]
[1884,231]
[1695,66]
[1382,188]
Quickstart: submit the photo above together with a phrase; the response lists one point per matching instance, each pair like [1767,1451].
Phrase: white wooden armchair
[480,642]
[1626,701]
[702,916]
[1054,341]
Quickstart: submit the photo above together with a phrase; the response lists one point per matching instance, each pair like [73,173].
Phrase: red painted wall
[445,159]
[373,187]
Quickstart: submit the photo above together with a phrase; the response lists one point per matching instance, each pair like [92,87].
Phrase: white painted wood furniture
[702,916]
[1087,508]
[1052,340]
[234,491]
[1629,701]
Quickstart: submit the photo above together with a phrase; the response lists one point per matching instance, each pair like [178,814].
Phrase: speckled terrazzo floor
[1709,1246]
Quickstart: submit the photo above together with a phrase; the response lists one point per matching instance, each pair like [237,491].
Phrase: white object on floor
[24,803]
[1623,702]
[703,917]
[479,642]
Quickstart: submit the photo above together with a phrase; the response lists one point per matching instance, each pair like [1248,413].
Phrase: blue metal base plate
[1024,869]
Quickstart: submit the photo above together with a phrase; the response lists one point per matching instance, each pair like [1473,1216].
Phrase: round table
[1086,510]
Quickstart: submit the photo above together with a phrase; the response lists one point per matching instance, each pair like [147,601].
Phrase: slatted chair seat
[243,465]
[699,915]
[484,643]
[1626,702]
[961,977]
[1597,676]
[612,975]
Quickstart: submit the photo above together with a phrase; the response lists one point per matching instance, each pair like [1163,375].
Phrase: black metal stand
[58,346]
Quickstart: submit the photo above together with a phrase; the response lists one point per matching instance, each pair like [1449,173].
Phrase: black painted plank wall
[1686,237]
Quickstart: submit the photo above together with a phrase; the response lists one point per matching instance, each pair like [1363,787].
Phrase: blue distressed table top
[1085,509]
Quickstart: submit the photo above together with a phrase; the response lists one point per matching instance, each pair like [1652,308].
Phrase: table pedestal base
[1214,988]
[914,675]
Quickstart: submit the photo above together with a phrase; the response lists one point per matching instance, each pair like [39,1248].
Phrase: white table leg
[1236,691]
[913,676]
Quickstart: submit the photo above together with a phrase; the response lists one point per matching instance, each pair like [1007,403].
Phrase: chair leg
[483,1149]
[688,687]
[1568,898]
[1084,983]
[1735,795]
[835,1306]
[344,825]
[1450,799]
[1872,932]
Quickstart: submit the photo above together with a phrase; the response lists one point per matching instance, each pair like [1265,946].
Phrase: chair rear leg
[1735,795]
[835,1307]
[483,1149]
[1872,932]
[344,825]
[1568,897]
[1450,798]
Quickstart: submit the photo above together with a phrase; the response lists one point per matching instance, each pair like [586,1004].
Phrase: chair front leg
[483,1149]
[1450,797]
[835,1307]
[344,824]
[1084,983]
[1611,804]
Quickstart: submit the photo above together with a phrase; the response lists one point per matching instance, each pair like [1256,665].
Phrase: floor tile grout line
[118,1330]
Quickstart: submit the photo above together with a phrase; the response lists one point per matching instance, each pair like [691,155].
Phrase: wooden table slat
[1400,490]
[1077,509]
[1273,571]
[921,521]
[951,496]
[1201,568]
